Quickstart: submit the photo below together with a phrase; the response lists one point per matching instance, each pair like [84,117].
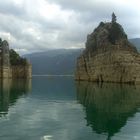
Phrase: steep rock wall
[21,71]
[109,57]
[11,64]
[112,66]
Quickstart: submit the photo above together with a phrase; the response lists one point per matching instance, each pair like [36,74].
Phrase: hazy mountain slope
[136,42]
[60,61]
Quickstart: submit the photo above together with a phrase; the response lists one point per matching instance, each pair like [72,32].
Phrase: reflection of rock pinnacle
[10,91]
[108,137]
[109,106]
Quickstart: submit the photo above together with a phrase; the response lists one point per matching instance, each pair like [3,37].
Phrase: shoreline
[52,75]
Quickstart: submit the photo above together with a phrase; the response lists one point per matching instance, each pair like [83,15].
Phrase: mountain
[57,61]
[136,42]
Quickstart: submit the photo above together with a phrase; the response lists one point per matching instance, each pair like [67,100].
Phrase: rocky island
[109,56]
[11,64]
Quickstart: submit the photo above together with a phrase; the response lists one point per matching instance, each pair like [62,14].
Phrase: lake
[58,108]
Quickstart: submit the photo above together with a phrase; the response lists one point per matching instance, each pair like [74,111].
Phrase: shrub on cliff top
[116,32]
[15,59]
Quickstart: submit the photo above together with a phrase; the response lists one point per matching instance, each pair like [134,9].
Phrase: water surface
[58,108]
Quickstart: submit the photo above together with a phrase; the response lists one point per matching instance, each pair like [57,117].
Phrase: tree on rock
[113,18]
[15,58]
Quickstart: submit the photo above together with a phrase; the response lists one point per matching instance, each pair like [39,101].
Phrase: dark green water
[58,108]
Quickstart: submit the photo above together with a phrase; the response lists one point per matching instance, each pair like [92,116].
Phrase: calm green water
[57,108]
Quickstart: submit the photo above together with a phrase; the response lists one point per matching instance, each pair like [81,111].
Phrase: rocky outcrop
[21,71]
[11,64]
[109,56]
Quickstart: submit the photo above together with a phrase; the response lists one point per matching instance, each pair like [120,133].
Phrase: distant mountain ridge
[54,62]
[136,42]
[59,61]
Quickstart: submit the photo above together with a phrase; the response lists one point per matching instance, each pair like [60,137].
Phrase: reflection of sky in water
[51,112]
[47,137]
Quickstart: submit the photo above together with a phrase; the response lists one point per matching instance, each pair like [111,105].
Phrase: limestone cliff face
[19,68]
[109,56]
[21,71]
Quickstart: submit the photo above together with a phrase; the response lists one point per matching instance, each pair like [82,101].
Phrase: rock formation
[109,56]
[11,64]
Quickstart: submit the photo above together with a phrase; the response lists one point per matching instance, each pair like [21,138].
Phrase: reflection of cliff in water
[10,91]
[108,106]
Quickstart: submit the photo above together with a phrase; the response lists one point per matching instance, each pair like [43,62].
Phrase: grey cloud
[58,33]
[10,8]
[77,5]
[16,27]
[90,8]
[92,12]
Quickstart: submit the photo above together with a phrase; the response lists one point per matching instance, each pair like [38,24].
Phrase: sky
[38,25]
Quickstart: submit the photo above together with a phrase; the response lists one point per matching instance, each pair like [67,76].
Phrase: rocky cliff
[11,64]
[109,56]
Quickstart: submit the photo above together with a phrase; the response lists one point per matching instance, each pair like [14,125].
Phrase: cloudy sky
[37,25]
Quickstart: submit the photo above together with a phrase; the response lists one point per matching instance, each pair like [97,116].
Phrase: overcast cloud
[38,25]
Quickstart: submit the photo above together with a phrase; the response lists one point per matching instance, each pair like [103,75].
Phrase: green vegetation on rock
[116,32]
[15,58]
[106,34]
